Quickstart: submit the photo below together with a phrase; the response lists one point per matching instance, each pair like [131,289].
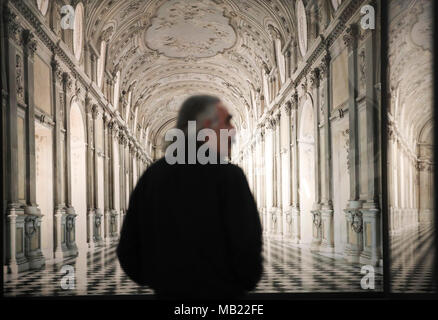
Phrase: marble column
[268,202]
[319,161]
[90,171]
[97,209]
[106,184]
[354,244]
[278,175]
[272,203]
[321,82]
[296,216]
[287,193]
[16,260]
[59,192]
[70,214]
[370,211]
[263,178]
[33,213]
[122,142]
[258,172]
[113,131]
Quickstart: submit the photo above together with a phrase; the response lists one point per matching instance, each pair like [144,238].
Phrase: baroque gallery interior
[90,88]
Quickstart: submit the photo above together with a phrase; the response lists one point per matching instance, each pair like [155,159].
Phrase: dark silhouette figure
[192,231]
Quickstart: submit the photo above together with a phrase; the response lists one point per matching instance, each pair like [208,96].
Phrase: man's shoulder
[154,167]
[161,164]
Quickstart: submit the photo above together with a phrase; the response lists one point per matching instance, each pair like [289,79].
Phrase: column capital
[287,107]
[56,69]
[122,137]
[303,87]
[95,111]
[324,66]
[277,116]
[66,80]
[261,131]
[29,41]
[314,78]
[106,117]
[294,101]
[350,36]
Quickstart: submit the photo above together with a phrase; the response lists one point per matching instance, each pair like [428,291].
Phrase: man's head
[208,112]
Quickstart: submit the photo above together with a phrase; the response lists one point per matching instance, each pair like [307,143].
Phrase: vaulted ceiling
[166,50]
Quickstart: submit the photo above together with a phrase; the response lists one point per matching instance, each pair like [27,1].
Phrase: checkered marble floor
[288,268]
[412,258]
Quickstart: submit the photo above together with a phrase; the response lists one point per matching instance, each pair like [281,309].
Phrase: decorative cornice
[12,26]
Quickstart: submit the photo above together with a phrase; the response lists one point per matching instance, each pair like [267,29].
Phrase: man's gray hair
[197,108]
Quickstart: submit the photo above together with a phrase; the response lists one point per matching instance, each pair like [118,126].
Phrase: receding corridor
[86,107]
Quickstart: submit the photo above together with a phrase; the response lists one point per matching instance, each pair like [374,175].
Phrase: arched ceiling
[410,58]
[167,50]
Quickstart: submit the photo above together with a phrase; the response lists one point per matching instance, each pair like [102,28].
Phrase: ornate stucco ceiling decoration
[184,29]
[173,48]
[411,80]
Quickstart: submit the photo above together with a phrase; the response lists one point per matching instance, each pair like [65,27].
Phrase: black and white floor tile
[288,268]
[412,259]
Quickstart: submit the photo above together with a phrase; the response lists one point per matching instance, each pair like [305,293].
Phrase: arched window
[336,4]
[265,86]
[280,60]
[77,31]
[101,64]
[116,90]
[43,6]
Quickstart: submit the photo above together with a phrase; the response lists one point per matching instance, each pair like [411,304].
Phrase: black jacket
[192,230]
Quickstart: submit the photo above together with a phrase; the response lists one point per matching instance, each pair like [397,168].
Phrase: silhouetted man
[193,230]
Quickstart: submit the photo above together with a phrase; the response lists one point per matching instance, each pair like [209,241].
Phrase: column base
[325,248]
[37,261]
[91,245]
[97,237]
[315,245]
[66,252]
[352,255]
[279,215]
[316,227]
[18,266]
[365,258]
[71,247]
[353,219]
[72,251]
[296,225]
[287,223]
[107,227]
[327,243]
[90,226]
[371,233]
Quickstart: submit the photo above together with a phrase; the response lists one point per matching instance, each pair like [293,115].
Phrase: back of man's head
[197,108]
